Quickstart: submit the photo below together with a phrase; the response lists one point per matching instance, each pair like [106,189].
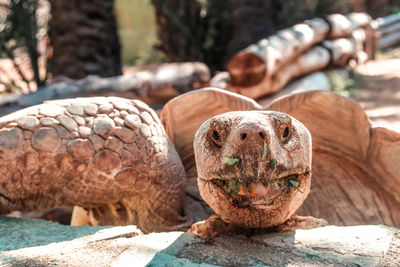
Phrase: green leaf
[295,184]
[230,161]
[272,164]
[235,190]
[311,256]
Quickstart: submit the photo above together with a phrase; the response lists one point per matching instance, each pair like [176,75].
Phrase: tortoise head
[254,167]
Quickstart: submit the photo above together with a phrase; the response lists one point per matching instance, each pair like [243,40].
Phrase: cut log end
[246,69]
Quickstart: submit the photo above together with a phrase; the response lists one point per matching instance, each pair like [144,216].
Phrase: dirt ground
[379,91]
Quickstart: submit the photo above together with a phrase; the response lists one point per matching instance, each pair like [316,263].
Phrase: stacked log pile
[266,67]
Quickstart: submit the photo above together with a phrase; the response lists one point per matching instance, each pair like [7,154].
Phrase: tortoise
[120,163]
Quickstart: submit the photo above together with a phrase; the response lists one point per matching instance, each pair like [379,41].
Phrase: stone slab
[43,243]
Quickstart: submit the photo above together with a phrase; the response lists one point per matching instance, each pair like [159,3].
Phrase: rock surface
[44,243]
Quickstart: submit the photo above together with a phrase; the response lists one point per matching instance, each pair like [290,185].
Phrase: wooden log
[343,49]
[386,21]
[336,53]
[340,26]
[389,40]
[359,19]
[221,80]
[154,86]
[314,59]
[343,26]
[392,28]
[317,81]
[249,66]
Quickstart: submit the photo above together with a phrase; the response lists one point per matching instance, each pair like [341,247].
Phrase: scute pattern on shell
[86,152]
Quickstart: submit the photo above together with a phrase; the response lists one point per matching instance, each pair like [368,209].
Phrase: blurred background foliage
[137,32]
[22,25]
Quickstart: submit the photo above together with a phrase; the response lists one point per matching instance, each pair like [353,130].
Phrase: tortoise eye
[216,138]
[216,135]
[286,132]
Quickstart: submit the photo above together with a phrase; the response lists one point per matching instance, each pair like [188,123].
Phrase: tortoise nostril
[243,136]
[261,135]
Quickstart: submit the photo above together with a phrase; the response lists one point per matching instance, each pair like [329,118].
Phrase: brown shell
[356,170]
[107,154]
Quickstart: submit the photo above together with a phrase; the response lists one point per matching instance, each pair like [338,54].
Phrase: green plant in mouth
[272,164]
[233,186]
[230,161]
[295,184]
[235,190]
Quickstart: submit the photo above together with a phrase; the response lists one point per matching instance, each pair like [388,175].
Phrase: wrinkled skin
[254,167]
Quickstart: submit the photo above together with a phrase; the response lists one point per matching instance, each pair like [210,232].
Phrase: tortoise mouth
[259,194]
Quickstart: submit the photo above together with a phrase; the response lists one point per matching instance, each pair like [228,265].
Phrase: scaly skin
[249,164]
[108,155]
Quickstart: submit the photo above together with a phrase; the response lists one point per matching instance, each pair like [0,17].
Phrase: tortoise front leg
[91,152]
[215,226]
[299,222]
[212,227]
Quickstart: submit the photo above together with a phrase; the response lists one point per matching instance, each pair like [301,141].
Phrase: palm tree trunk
[83,35]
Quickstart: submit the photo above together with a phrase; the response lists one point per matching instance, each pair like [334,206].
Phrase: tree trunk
[192,30]
[376,8]
[84,39]
[175,23]
[251,21]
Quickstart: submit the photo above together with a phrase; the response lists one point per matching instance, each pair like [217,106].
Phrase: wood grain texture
[355,166]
